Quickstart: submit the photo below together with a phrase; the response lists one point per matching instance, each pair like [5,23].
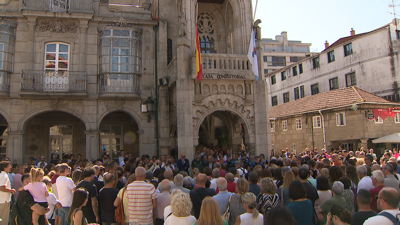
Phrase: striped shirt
[140,197]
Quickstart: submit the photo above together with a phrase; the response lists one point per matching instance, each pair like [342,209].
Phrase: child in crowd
[38,190]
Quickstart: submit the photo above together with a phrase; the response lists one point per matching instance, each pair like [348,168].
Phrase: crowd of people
[217,187]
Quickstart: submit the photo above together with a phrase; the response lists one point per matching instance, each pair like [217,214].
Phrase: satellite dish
[354,107]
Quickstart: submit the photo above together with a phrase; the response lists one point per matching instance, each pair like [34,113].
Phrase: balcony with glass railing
[60,82]
[60,6]
[120,84]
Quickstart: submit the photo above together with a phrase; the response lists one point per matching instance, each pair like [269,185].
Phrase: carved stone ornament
[206,23]
[57,26]
[54,104]
[118,104]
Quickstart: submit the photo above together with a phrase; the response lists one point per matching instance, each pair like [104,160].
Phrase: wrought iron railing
[119,83]
[55,81]
[4,82]
[66,6]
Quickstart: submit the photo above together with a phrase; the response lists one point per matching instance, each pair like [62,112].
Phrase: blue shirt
[303,212]
[222,198]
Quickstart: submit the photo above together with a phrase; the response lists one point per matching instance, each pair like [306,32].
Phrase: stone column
[364,143]
[163,120]
[15,146]
[31,43]
[92,144]
[83,27]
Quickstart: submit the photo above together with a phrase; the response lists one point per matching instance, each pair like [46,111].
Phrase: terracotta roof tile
[326,100]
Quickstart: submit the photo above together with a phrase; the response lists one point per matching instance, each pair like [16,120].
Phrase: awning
[393,138]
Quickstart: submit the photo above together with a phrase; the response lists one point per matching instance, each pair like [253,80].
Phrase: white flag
[252,55]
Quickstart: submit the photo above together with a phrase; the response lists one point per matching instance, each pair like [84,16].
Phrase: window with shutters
[340,119]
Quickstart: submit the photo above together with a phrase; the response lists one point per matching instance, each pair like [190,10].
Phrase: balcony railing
[4,82]
[53,81]
[65,6]
[119,83]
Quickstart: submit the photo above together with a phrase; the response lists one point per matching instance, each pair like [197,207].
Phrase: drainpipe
[156,91]
[323,128]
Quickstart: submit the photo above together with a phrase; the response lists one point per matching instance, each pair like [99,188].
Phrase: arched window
[57,57]
[207,45]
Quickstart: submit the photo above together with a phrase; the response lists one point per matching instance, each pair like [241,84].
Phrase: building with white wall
[368,60]
[280,52]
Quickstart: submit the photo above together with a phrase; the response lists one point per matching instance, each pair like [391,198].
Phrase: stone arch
[7,118]
[23,121]
[127,111]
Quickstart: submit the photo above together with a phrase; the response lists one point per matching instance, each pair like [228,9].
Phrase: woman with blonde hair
[234,202]
[181,205]
[209,213]
[251,216]
[122,196]
[283,191]
[268,198]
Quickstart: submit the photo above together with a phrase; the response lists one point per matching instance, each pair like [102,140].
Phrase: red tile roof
[326,100]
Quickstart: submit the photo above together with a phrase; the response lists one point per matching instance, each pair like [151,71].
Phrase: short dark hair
[303,173]
[311,163]
[364,197]
[346,182]
[88,172]
[280,215]
[369,157]
[3,165]
[297,190]
[24,177]
[253,177]
[233,170]
[322,183]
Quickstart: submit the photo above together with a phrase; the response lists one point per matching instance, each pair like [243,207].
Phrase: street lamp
[150,108]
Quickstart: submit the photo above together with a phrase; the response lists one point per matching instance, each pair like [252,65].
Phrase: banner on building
[252,54]
[199,64]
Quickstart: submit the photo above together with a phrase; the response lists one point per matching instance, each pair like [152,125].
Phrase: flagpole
[255,11]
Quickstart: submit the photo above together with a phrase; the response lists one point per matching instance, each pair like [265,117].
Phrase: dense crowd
[217,187]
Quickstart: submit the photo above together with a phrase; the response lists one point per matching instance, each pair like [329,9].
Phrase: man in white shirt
[388,200]
[65,189]
[365,181]
[121,158]
[42,160]
[5,191]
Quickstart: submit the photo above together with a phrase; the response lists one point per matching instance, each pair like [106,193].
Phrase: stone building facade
[76,74]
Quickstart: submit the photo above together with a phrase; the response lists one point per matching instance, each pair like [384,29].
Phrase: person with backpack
[387,201]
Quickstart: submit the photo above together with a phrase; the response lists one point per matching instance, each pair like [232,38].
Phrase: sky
[315,21]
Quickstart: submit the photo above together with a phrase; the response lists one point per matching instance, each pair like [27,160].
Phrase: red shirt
[375,191]
[54,178]
[230,188]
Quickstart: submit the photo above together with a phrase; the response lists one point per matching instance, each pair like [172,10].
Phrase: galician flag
[252,54]
[199,63]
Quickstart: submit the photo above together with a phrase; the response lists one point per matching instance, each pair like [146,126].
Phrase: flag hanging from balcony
[252,54]
[199,64]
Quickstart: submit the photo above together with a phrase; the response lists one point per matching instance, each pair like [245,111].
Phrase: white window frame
[397,118]
[299,124]
[56,57]
[379,120]
[284,125]
[338,119]
[272,127]
[1,56]
[119,58]
[317,123]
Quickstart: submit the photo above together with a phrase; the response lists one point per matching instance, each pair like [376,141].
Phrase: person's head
[346,182]
[303,173]
[76,176]
[378,178]
[388,169]
[364,197]
[65,170]
[209,213]
[322,183]
[165,186]
[361,171]
[335,173]
[88,173]
[337,188]
[268,186]
[5,166]
[37,175]
[168,174]
[140,173]
[388,198]
[131,179]
[339,213]
[279,215]
[253,177]
[297,190]
[201,180]
[26,179]
[79,199]
[230,177]
[242,186]
[178,180]
[181,204]
[195,172]
[287,179]
[222,184]
[109,179]
[216,173]
[249,202]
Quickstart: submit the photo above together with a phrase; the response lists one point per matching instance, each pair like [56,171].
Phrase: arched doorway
[119,131]
[222,129]
[56,133]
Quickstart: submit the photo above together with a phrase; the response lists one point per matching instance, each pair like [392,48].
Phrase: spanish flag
[199,64]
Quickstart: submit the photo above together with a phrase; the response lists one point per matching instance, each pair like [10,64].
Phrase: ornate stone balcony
[60,6]
[47,82]
[225,66]
[119,84]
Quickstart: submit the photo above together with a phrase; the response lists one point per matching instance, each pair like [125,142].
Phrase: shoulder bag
[119,211]
[227,213]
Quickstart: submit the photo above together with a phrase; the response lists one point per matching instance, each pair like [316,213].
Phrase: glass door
[111,140]
[60,140]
